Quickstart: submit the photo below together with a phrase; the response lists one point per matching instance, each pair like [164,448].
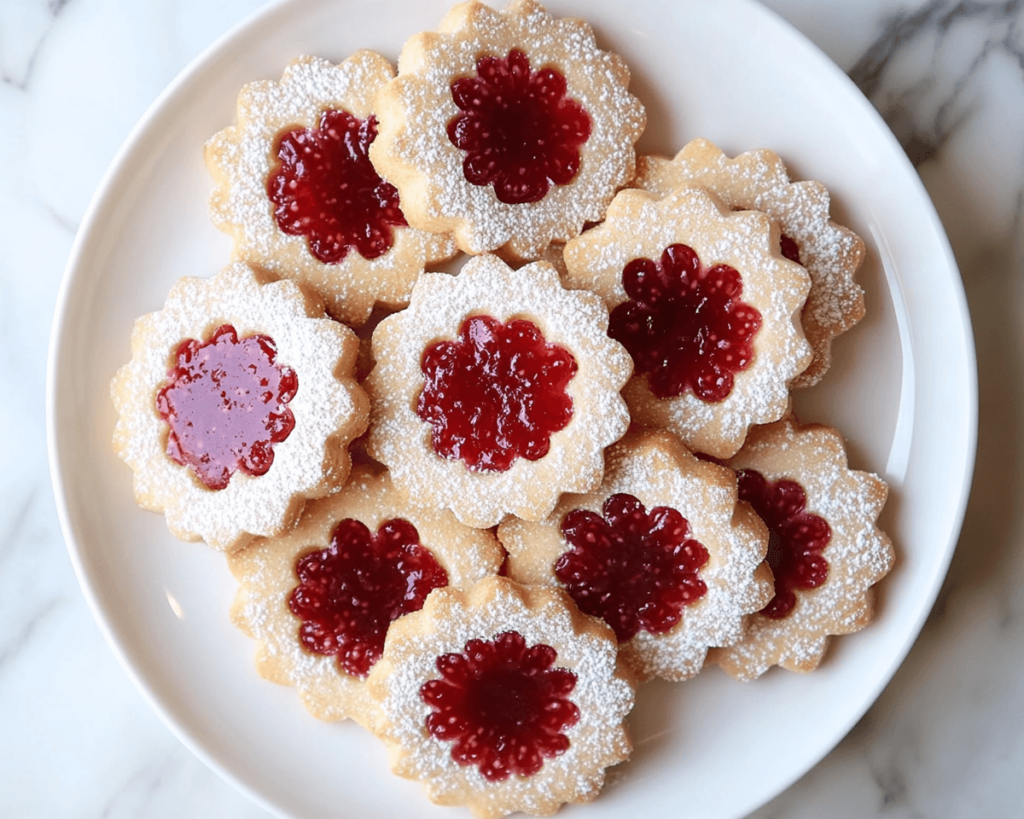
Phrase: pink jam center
[633,569]
[349,593]
[796,537]
[226,405]
[520,131]
[496,393]
[502,705]
[684,324]
[324,188]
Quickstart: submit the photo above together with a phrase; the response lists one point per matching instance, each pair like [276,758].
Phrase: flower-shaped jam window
[684,324]
[326,189]
[796,537]
[519,130]
[503,705]
[350,592]
[226,405]
[632,568]
[496,393]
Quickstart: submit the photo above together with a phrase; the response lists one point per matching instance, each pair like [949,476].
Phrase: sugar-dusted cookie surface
[296,190]
[706,305]
[237,406]
[758,180]
[661,551]
[319,599]
[503,698]
[495,391]
[509,128]
[827,551]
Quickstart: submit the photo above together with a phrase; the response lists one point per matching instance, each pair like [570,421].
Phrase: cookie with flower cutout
[509,128]
[237,406]
[319,599]
[826,550]
[662,552]
[706,305]
[296,190]
[503,698]
[758,180]
[495,391]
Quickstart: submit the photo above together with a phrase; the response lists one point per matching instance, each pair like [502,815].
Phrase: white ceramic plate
[902,389]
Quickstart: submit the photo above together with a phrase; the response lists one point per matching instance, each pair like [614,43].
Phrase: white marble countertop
[946,738]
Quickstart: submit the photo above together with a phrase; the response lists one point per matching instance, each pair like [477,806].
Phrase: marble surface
[946,738]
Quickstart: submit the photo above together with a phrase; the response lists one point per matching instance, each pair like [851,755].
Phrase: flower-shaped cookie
[237,406]
[502,698]
[661,552]
[758,180]
[826,550]
[297,191]
[706,305]
[319,600]
[509,128]
[496,391]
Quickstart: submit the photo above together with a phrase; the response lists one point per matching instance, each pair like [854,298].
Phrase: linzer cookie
[661,552]
[826,550]
[495,391]
[707,307]
[319,600]
[297,191]
[509,128]
[758,180]
[502,698]
[237,406]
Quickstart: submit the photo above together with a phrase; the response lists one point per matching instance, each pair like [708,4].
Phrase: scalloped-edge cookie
[827,551]
[758,180]
[707,306]
[301,592]
[362,251]
[509,128]
[661,551]
[503,698]
[296,340]
[495,391]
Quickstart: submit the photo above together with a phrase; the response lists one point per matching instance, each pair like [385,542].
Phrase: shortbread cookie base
[758,180]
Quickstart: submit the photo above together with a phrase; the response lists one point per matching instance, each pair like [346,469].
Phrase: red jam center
[684,324]
[502,705]
[326,189]
[633,569]
[226,404]
[496,393]
[519,130]
[796,537]
[790,249]
[350,592]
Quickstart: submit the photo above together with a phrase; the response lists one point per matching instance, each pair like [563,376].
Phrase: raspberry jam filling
[324,188]
[496,393]
[684,324]
[502,705]
[632,568]
[796,537]
[226,405]
[520,131]
[790,249]
[350,592]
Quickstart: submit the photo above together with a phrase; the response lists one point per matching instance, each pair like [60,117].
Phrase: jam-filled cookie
[495,391]
[826,551]
[509,128]
[297,192]
[758,180]
[661,552]
[503,698]
[319,600]
[237,406]
[707,306]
